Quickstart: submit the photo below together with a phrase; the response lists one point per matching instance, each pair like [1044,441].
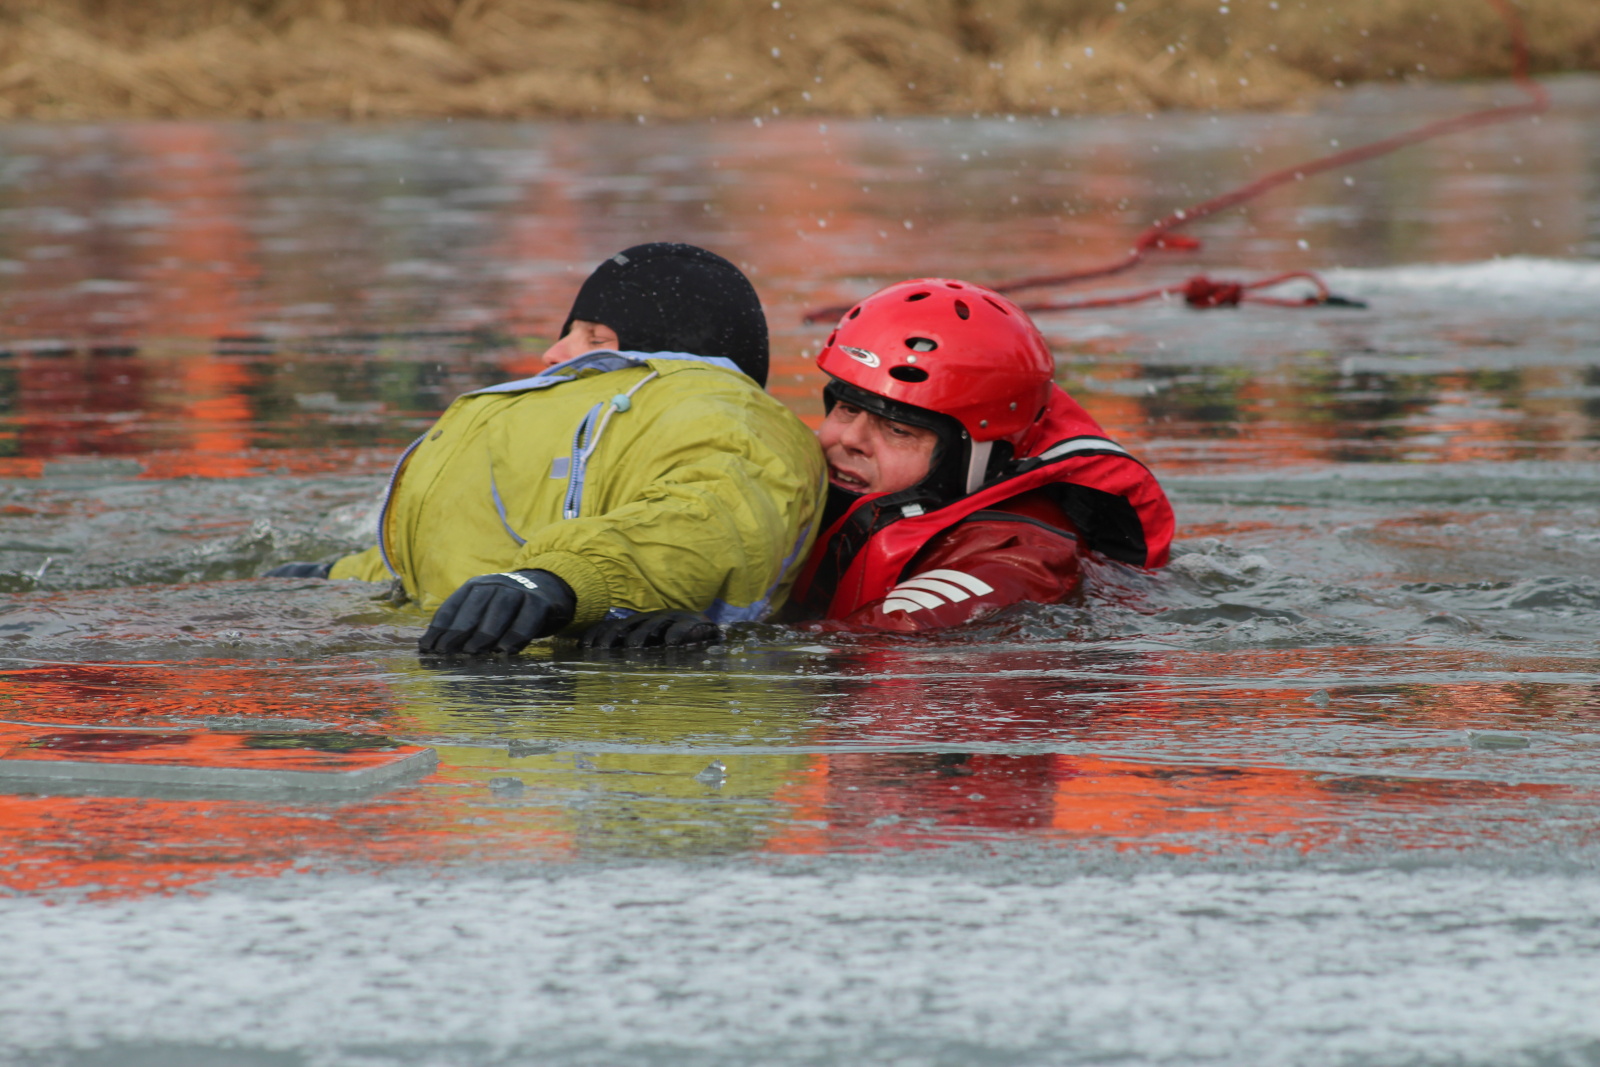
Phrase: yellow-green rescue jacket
[644,481]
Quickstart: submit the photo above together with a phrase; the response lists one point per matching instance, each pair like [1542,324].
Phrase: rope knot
[1202,292]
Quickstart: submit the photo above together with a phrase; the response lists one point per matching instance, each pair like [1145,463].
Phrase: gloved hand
[500,611]
[652,629]
[299,570]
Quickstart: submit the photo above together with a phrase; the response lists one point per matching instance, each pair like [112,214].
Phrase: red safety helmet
[948,347]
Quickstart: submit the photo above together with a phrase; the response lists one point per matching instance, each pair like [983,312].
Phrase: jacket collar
[602,360]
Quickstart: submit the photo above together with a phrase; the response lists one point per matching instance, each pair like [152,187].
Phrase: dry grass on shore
[82,59]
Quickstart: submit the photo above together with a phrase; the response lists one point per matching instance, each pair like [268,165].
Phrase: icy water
[1326,791]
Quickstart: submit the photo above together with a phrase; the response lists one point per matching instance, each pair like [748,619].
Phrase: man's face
[583,337]
[868,453]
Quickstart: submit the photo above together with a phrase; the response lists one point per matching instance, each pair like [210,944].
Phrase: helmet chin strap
[978,464]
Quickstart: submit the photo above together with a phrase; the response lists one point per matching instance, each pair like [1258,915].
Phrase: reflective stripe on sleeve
[948,590]
[934,589]
[977,586]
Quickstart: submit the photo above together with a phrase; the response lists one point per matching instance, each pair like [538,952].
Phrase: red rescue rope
[1202,292]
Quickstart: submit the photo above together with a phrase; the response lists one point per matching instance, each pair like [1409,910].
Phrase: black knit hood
[667,297]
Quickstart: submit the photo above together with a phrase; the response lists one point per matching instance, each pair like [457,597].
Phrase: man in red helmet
[961,478]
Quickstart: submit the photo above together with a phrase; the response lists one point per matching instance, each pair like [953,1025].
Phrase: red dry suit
[894,562]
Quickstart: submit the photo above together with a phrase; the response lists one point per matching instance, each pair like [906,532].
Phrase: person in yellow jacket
[644,469]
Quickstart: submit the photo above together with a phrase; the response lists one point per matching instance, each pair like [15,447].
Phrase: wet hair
[668,297]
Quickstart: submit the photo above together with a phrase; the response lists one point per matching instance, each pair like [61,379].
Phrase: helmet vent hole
[962,311]
[908,374]
[917,296]
[831,337]
[921,344]
[853,312]
[954,285]
[998,306]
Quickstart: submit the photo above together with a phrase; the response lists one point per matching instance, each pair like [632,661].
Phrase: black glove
[652,629]
[500,611]
[299,570]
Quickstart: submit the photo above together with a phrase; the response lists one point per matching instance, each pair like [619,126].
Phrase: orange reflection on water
[191,231]
[200,277]
[137,694]
[931,795]
[849,801]
[842,802]
[129,845]
[201,281]
[872,803]
[820,217]
[134,846]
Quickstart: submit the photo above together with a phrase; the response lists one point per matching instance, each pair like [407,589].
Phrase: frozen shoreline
[72,60]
